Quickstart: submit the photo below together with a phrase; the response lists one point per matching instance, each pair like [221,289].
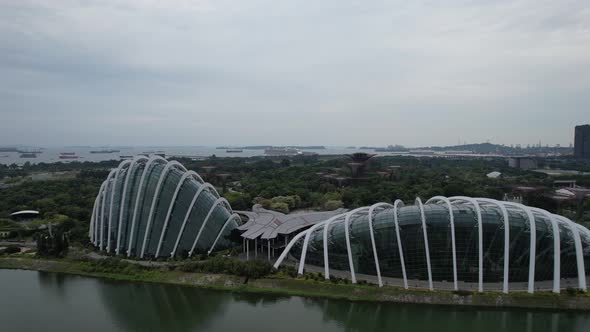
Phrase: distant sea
[51,154]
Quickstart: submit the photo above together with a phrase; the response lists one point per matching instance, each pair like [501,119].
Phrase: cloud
[334,72]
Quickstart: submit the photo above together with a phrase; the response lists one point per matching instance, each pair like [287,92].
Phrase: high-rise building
[582,142]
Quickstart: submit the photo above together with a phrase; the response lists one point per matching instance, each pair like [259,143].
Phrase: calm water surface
[39,301]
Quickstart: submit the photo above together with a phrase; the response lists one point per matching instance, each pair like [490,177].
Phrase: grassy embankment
[282,283]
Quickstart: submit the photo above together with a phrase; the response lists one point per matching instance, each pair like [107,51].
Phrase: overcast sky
[332,72]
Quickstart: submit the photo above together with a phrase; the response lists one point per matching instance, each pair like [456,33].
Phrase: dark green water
[38,301]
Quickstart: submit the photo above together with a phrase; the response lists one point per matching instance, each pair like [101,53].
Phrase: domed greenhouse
[150,207]
[447,243]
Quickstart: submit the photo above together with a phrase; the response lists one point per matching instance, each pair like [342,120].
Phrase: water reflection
[94,304]
[153,307]
[360,316]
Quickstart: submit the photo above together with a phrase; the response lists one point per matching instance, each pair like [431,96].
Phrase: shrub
[574,291]
[463,292]
[112,265]
[12,249]
[280,207]
[289,270]
[333,205]
[219,264]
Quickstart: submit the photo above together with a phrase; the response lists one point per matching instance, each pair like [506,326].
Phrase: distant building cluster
[522,163]
[582,142]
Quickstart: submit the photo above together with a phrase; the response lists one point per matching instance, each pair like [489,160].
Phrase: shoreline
[312,288]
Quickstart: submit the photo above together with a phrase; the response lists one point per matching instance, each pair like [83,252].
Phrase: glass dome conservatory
[448,243]
[149,207]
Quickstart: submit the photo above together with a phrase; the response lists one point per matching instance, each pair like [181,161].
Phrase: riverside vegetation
[227,273]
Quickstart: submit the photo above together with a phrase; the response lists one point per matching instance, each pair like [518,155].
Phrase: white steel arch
[579,251]
[209,188]
[288,248]
[197,177]
[94,216]
[232,217]
[98,213]
[104,193]
[423,217]
[215,204]
[326,229]
[146,169]
[399,241]
[347,236]
[306,241]
[123,198]
[533,240]
[453,245]
[479,236]
[98,209]
[155,198]
[556,249]
[173,204]
[377,266]
[505,216]
[113,190]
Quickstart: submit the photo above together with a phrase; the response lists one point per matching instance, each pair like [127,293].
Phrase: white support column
[533,242]
[556,249]
[138,198]
[453,245]
[371,211]
[101,229]
[104,200]
[399,241]
[268,243]
[232,217]
[347,236]
[155,199]
[215,204]
[479,236]
[579,252]
[116,178]
[93,219]
[123,199]
[288,248]
[98,213]
[338,218]
[91,226]
[505,217]
[426,247]
[171,207]
[207,186]
[308,233]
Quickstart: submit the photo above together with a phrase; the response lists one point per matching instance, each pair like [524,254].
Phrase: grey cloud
[293,72]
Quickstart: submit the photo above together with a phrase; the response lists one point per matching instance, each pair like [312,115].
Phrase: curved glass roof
[150,207]
[452,243]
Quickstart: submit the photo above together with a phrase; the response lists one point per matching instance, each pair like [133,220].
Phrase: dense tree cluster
[282,184]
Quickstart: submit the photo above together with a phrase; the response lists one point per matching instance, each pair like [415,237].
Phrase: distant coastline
[264,147]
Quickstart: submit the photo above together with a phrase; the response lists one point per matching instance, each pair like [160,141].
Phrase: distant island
[264,147]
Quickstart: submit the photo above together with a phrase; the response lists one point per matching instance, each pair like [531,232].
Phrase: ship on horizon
[104,151]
